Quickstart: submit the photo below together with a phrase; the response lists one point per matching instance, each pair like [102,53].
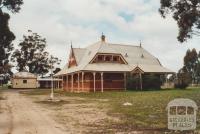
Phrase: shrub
[183,80]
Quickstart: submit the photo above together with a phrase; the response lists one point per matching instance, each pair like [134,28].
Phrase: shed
[23,80]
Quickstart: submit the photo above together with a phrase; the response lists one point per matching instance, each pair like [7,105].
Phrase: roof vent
[142,56]
[126,55]
[89,52]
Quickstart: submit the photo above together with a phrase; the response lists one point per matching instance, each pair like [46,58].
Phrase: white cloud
[81,21]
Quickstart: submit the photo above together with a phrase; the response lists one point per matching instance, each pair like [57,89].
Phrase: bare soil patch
[76,114]
[21,116]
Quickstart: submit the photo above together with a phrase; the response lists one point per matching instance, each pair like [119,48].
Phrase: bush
[183,80]
[9,86]
[181,85]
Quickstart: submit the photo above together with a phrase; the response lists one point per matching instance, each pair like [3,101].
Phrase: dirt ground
[20,114]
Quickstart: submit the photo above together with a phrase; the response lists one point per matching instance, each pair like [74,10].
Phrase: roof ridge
[92,45]
[79,48]
[99,47]
[95,52]
[123,44]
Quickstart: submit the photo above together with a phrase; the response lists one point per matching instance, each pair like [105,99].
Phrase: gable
[137,70]
[72,59]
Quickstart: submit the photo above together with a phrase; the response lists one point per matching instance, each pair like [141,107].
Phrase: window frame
[25,81]
[113,58]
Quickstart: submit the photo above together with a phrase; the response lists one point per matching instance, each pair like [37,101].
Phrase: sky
[83,21]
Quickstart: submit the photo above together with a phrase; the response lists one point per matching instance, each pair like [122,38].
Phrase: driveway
[19,115]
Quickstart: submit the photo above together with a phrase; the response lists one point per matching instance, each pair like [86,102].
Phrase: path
[19,115]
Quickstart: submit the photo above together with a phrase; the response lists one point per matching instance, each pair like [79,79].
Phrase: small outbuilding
[24,79]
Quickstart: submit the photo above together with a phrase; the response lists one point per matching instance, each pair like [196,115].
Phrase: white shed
[22,80]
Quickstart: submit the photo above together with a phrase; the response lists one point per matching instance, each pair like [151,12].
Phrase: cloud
[83,21]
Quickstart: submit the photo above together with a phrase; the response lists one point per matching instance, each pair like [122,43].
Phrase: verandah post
[78,83]
[62,82]
[82,81]
[141,81]
[94,75]
[125,81]
[67,82]
[72,86]
[101,81]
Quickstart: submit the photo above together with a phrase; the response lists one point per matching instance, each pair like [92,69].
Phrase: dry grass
[147,114]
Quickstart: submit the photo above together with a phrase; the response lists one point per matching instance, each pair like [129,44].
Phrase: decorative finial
[103,38]
[126,55]
[71,43]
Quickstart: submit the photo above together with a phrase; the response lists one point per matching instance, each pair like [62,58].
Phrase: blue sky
[83,21]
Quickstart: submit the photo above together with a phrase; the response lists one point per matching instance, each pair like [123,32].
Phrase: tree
[190,72]
[32,55]
[183,79]
[11,5]
[6,46]
[198,69]
[187,15]
[6,36]
[191,63]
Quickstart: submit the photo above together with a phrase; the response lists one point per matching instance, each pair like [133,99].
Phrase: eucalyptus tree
[7,36]
[187,15]
[33,56]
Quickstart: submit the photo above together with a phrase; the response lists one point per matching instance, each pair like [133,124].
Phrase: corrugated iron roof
[136,56]
[24,74]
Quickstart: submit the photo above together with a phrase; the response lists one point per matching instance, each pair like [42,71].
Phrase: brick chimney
[103,38]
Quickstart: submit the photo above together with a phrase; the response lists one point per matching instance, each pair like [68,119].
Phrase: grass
[148,110]
[33,92]
[4,87]
[1,97]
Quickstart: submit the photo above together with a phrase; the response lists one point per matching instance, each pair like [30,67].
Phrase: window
[24,81]
[108,58]
[115,58]
[100,57]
